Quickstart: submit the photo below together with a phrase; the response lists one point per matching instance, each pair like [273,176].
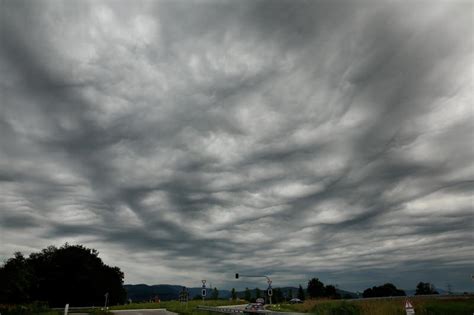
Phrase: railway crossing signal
[203,290]
[184,295]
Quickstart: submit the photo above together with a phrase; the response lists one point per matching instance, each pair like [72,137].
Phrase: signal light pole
[269,281]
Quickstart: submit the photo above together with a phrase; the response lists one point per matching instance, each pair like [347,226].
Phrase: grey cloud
[291,138]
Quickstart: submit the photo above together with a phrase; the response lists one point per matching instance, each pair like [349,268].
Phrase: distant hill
[166,292]
[412,292]
[347,294]
[144,292]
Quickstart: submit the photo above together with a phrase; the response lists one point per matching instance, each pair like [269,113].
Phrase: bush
[27,309]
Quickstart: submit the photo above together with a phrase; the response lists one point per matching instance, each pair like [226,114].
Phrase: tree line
[76,275]
[70,274]
[317,289]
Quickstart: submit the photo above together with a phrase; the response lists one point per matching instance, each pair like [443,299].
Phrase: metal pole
[255,276]
[106,298]
[269,281]
[203,290]
[269,290]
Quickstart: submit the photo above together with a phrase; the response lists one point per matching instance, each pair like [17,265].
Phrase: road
[159,311]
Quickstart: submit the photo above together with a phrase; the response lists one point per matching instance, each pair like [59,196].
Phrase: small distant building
[156,299]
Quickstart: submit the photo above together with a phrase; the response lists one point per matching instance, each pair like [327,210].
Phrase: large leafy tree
[331,292]
[315,288]
[69,274]
[388,289]
[15,280]
[425,288]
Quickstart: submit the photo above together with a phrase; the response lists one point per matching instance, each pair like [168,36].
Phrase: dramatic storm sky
[190,140]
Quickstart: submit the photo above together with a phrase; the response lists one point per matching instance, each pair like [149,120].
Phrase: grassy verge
[178,307]
[423,306]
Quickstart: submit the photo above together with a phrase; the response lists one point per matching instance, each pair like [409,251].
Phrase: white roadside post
[66,309]
[106,299]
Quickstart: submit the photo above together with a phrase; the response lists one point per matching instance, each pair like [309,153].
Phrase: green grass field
[178,307]
[422,305]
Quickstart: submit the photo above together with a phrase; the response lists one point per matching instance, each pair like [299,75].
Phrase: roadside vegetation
[422,305]
[24,309]
[43,309]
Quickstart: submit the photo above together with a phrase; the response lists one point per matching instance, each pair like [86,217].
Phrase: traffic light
[236,276]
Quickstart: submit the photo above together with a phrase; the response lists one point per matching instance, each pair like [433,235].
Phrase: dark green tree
[247,295]
[69,274]
[331,292]
[388,289]
[290,294]
[301,294]
[16,280]
[278,296]
[215,294]
[425,288]
[315,288]
[258,293]
[233,294]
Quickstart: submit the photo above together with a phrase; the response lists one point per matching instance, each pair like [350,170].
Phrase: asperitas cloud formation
[189,140]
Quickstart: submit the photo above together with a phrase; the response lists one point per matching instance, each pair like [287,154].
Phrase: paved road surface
[160,311]
[240,306]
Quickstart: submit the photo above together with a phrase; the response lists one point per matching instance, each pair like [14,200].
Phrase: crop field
[422,305]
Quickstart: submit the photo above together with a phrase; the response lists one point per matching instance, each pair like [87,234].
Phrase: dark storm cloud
[292,138]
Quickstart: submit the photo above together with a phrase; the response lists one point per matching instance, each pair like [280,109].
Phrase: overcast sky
[191,140]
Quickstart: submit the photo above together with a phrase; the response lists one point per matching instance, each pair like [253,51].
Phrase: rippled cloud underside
[190,140]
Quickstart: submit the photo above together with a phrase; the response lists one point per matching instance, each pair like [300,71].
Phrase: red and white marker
[409,308]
